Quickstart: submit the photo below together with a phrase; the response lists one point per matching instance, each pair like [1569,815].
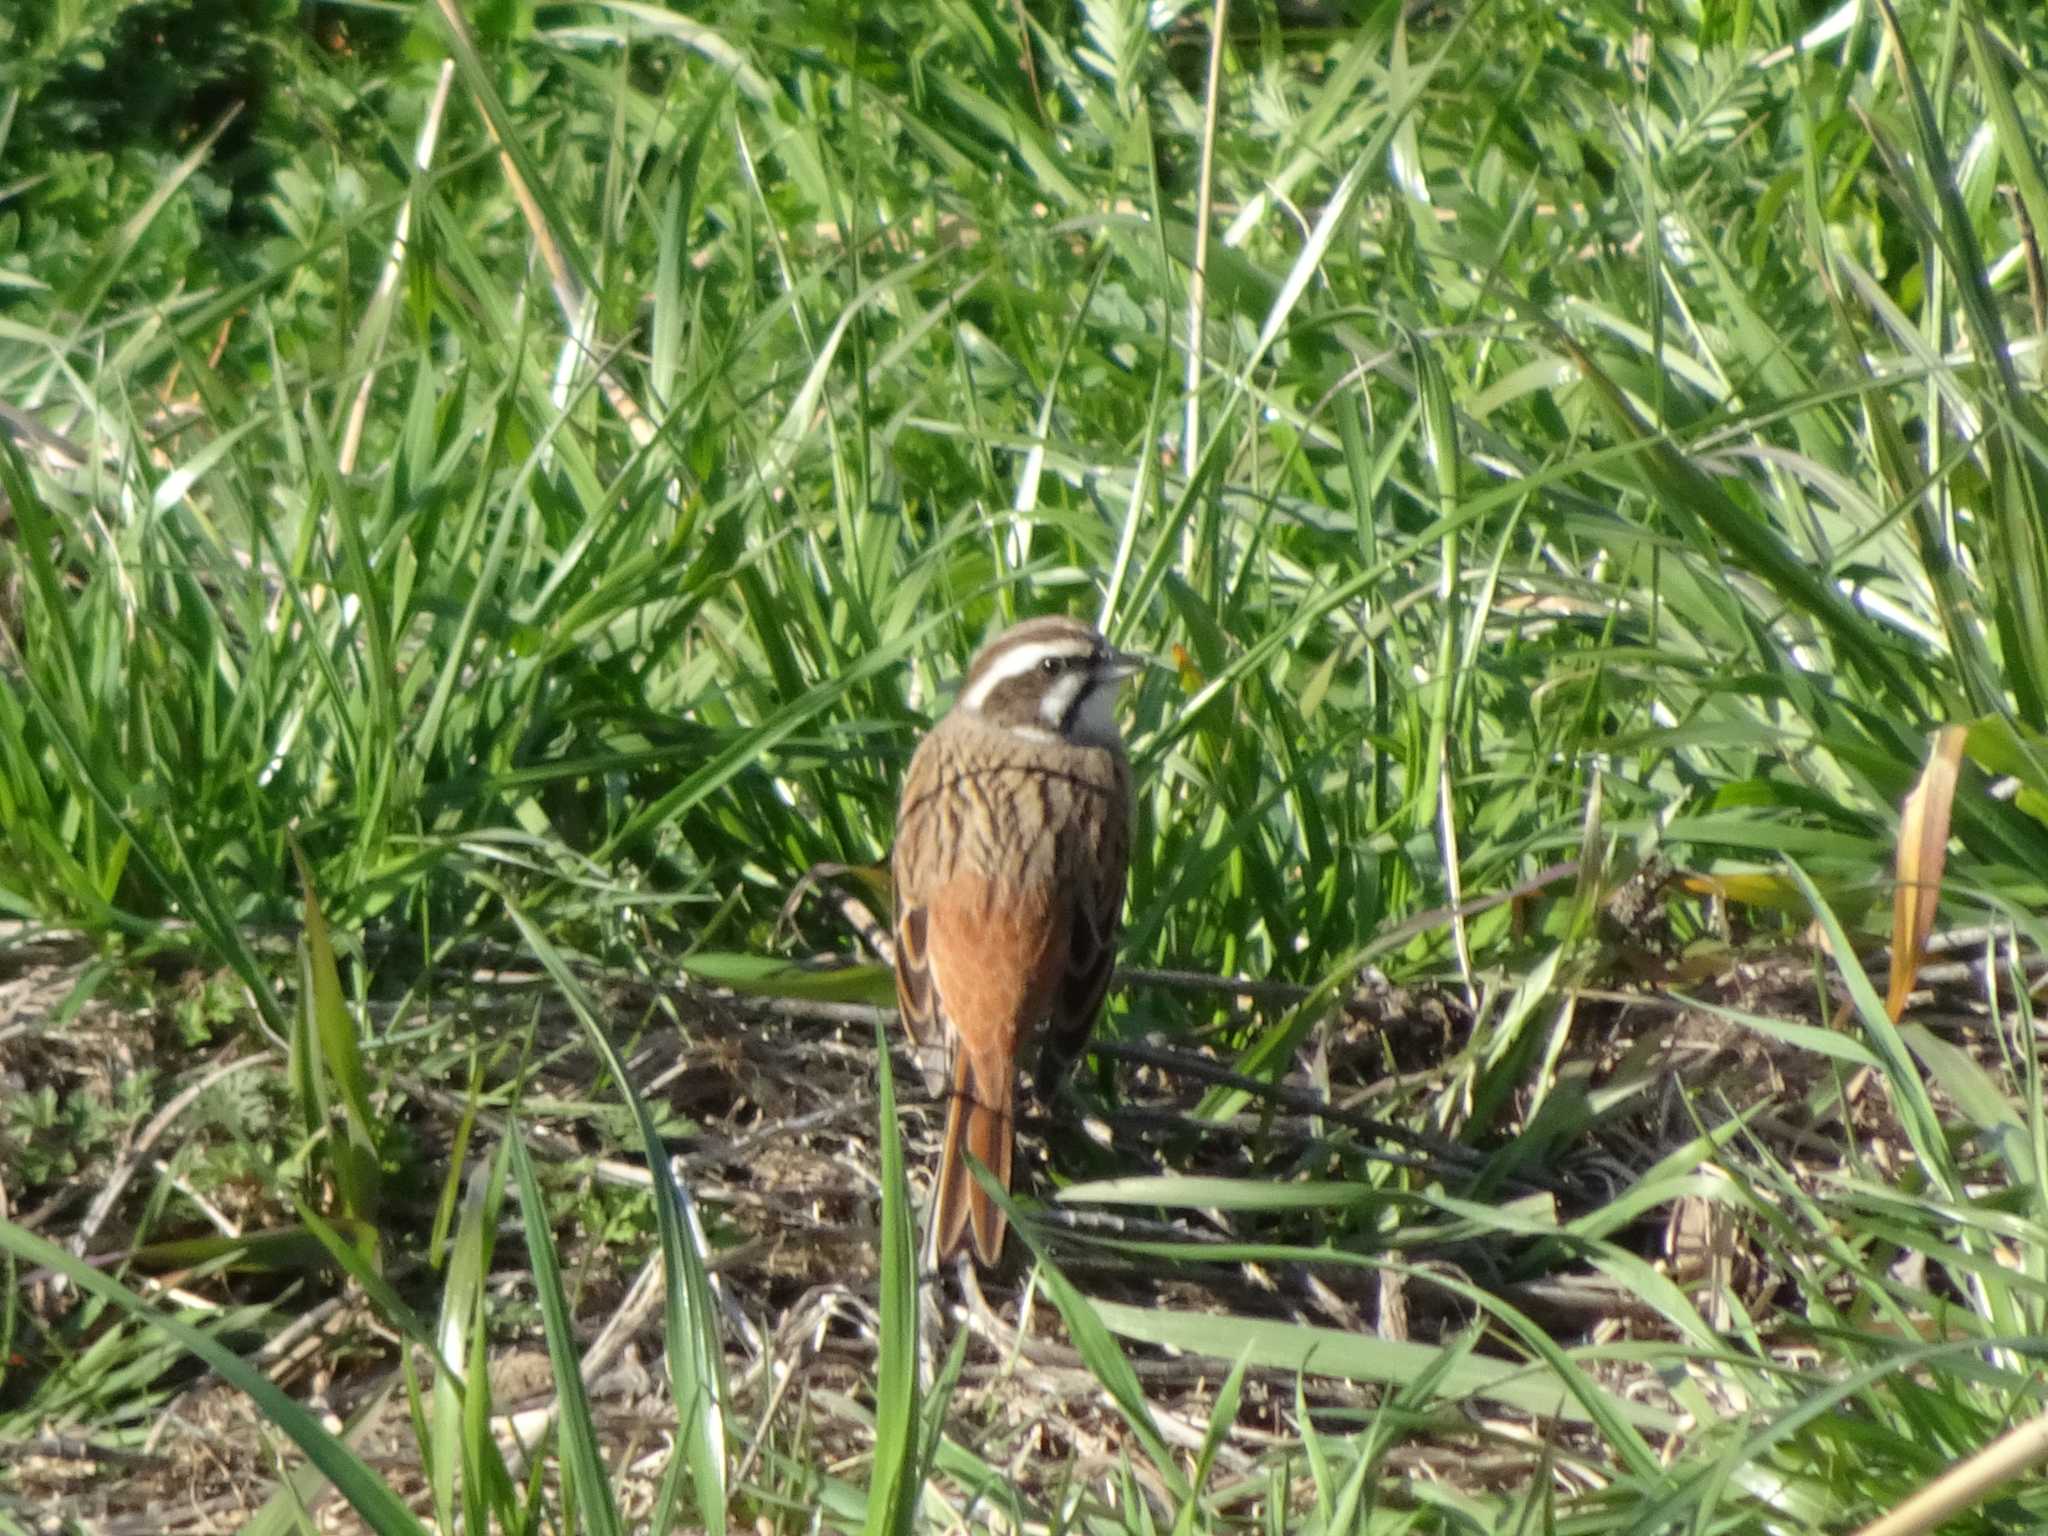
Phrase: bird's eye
[1051,665]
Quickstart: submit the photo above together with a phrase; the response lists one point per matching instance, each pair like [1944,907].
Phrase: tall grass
[595,436]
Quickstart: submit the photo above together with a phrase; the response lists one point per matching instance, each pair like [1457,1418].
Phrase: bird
[1013,838]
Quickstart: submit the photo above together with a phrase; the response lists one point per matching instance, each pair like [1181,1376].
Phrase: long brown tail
[977,1121]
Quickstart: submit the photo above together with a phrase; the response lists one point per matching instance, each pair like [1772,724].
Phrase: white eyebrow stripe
[1015,663]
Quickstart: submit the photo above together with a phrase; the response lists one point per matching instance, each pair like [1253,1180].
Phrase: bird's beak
[1119,665]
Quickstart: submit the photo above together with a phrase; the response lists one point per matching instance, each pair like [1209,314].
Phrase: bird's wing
[1095,905]
[996,956]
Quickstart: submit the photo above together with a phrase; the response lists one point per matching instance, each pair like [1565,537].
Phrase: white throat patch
[1059,698]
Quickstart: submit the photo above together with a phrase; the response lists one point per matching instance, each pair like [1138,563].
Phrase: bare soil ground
[772,1113]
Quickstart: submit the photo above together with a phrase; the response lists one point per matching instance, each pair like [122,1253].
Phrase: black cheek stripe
[1073,714]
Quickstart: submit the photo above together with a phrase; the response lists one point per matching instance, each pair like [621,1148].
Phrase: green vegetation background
[555,512]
